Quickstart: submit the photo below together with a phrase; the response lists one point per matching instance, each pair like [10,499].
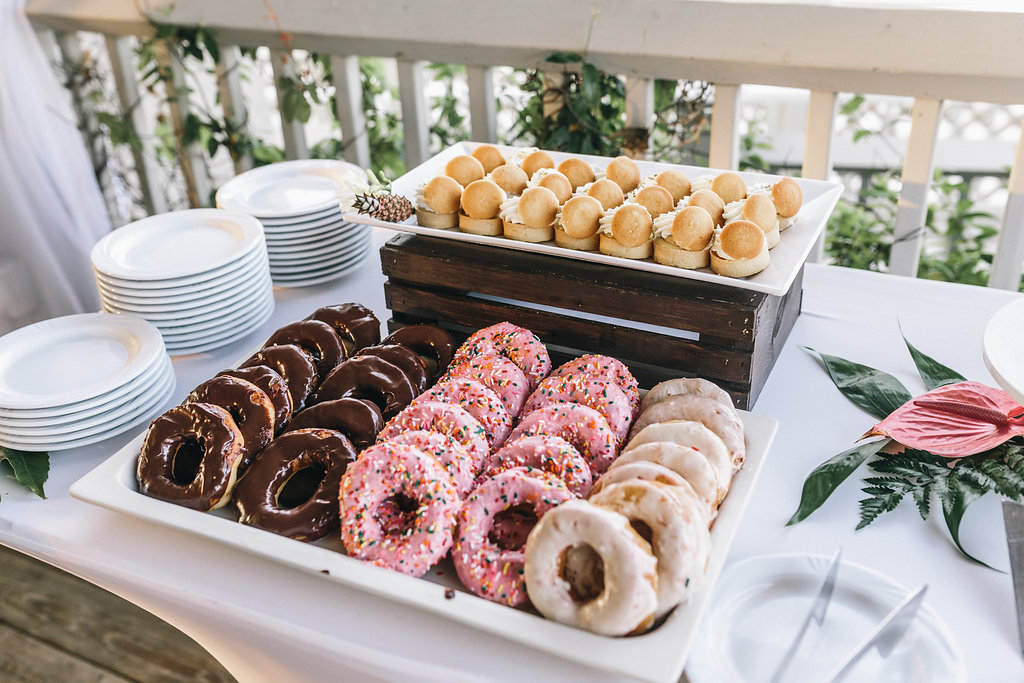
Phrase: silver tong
[884,636]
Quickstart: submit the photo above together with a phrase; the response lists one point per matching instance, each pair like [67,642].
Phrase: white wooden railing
[929,54]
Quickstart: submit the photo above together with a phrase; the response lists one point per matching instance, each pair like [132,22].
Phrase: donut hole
[512,525]
[642,528]
[397,513]
[301,486]
[188,458]
[582,568]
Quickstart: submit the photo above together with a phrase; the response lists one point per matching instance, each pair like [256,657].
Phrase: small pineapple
[378,202]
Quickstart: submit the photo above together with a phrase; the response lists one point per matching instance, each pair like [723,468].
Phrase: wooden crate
[729,335]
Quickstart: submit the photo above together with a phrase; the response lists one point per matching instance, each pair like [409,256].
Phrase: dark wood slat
[24,659]
[87,622]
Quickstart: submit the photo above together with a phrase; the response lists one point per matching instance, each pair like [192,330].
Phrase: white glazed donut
[704,409]
[688,463]
[625,601]
[641,469]
[679,534]
[696,435]
[686,385]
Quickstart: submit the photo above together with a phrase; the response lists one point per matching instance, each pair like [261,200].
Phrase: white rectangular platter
[657,656]
[787,258]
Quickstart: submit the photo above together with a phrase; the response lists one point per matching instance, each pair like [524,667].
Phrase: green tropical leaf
[923,498]
[956,495]
[591,85]
[30,469]
[882,500]
[827,476]
[852,105]
[877,392]
[933,373]
[563,58]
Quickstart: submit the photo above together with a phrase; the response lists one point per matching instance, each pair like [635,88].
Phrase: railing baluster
[283,64]
[229,86]
[193,162]
[1009,258]
[821,116]
[640,111]
[483,117]
[151,181]
[917,176]
[725,115]
[415,113]
[349,104]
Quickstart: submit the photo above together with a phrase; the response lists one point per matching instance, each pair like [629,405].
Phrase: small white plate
[177,244]
[179,285]
[349,233]
[227,326]
[74,358]
[232,299]
[200,346]
[188,294]
[301,226]
[186,309]
[1002,344]
[317,277]
[289,188]
[232,318]
[758,607]
[154,407]
[326,252]
[329,214]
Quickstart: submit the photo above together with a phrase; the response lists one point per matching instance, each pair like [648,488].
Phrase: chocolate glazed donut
[356,418]
[314,336]
[292,488]
[272,384]
[430,341]
[355,324]
[371,378]
[294,364]
[250,408]
[191,456]
[414,367]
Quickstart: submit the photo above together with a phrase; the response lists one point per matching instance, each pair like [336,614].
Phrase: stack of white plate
[80,379]
[297,203]
[201,276]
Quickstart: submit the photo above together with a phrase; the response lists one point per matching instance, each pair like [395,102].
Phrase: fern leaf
[1005,481]
[871,508]
[923,498]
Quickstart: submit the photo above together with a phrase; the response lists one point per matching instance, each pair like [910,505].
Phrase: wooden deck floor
[56,627]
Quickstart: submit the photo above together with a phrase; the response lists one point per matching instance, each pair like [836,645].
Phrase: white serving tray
[656,656]
[787,258]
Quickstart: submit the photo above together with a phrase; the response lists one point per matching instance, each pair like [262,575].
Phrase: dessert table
[265,621]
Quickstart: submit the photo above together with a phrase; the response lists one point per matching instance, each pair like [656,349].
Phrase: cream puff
[531,217]
[489,157]
[535,161]
[656,199]
[730,186]
[624,172]
[675,182]
[510,178]
[759,209]
[465,169]
[683,238]
[626,232]
[607,192]
[740,249]
[788,198]
[437,203]
[577,223]
[554,181]
[709,201]
[481,204]
[577,171]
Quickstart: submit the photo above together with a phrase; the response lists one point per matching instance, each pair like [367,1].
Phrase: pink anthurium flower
[955,420]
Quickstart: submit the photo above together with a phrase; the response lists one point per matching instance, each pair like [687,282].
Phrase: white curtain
[51,209]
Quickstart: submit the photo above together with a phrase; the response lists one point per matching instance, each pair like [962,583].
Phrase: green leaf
[956,495]
[30,469]
[563,58]
[934,373]
[923,498]
[827,476]
[852,105]
[191,132]
[883,500]
[877,392]
[998,476]
[591,85]
[860,134]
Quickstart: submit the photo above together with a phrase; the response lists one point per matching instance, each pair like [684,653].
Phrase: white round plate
[209,343]
[332,262]
[164,316]
[758,606]
[144,414]
[316,222]
[184,309]
[288,188]
[329,214]
[323,276]
[1002,344]
[74,358]
[190,292]
[179,285]
[176,244]
[231,318]
[15,424]
[300,236]
[325,253]
[341,231]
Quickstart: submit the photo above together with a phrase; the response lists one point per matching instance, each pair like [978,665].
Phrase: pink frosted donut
[488,567]
[604,397]
[447,451]
[604,368]
[498,374]
[406,481]
[478,400]
[445,418]
[582,426]
[516,343]
[551,454]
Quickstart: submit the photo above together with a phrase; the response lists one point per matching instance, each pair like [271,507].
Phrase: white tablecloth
[264,621]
